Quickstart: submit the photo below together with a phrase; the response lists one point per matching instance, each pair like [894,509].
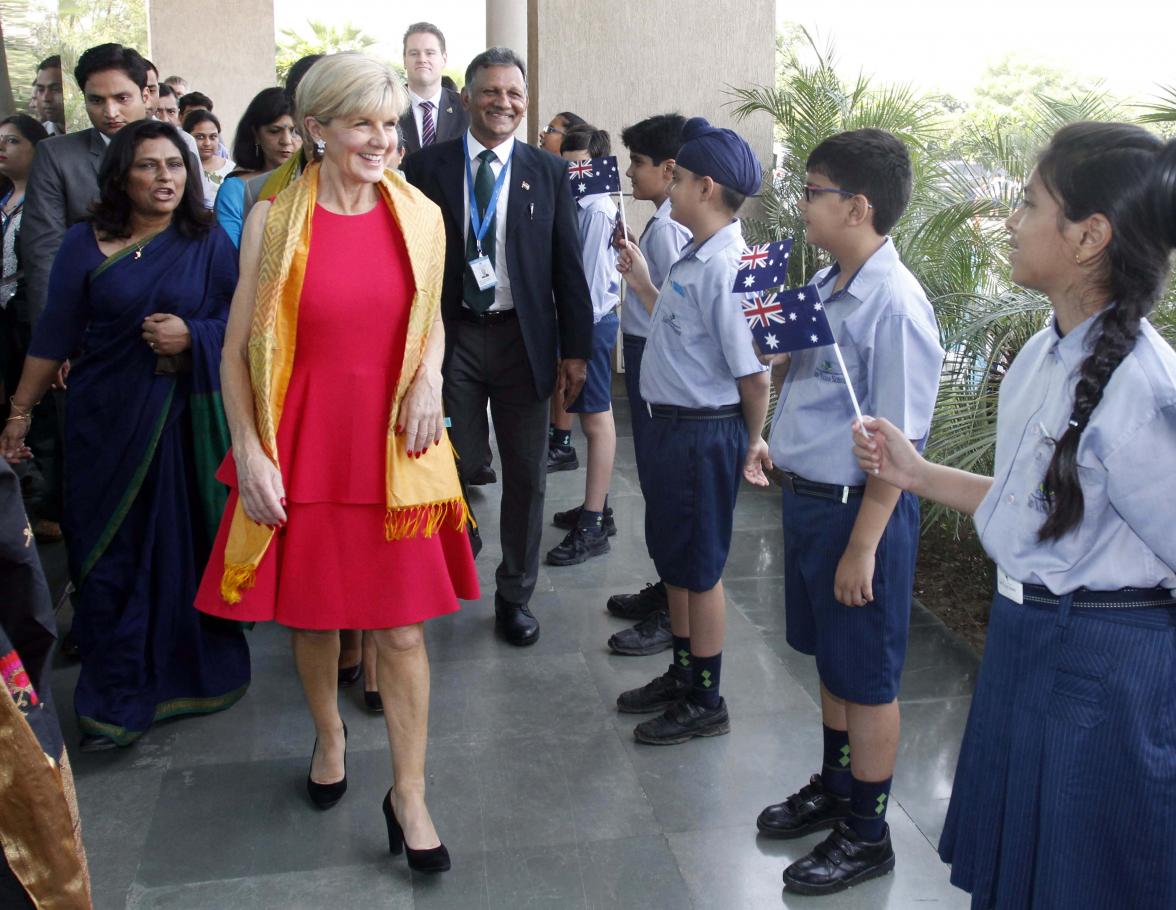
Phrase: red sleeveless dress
[330,567]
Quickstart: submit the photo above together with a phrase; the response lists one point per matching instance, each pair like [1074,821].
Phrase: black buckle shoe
[515,622]
[637,606]
[561,459]
[809,809]
[840,861]
[570,520]
[684,720]
[650,636]
[653,696]
[578,546]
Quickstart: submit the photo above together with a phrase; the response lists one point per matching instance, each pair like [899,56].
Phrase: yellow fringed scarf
[421,493]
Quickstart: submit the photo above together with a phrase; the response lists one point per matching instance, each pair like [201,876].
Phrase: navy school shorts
[860,650]
[691,474]
[596,396]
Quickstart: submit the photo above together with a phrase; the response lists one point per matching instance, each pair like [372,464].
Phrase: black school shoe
[579,546]
[570,520]
[840,861]
[561,459]
[684,720]
[650,636]
[809,809]
[648,600]
[653,696]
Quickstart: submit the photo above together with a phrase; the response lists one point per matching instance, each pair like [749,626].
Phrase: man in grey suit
[435,113]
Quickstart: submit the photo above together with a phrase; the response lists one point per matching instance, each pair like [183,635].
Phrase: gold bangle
[17,410]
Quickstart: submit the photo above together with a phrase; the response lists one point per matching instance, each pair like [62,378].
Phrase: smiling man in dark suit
[514,295]
[435,113]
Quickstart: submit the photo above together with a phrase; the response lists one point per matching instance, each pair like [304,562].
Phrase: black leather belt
[673,412]
[801,487]
[487,318]
[626,338]
[1124,598]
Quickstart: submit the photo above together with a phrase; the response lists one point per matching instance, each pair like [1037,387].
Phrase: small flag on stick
[793,321]
[596,175]
[763,266]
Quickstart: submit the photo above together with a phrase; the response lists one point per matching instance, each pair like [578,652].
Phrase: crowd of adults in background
[255,383]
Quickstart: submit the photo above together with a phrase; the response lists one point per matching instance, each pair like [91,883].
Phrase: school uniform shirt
[502,154]
[662,244]
[1126,465]
[699,344]
[597,216]
[889,339]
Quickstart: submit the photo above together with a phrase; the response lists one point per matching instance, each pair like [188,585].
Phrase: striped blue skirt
[1065,793]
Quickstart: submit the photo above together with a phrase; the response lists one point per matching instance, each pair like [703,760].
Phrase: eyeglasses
[552,129]
[811,190]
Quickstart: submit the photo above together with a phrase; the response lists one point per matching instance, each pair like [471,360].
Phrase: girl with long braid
[1065,793]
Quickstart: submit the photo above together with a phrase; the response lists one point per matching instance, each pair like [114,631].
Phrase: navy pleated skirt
[1065,793]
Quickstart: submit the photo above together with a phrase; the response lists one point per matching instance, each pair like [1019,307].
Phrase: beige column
[615,62]
[507,26]
[223,48]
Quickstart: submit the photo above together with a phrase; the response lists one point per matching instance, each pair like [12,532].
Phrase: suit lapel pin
[526,185]
[449,110]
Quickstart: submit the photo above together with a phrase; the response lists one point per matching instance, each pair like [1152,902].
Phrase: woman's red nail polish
[283,500]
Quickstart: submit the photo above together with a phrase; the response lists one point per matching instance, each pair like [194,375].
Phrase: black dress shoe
[684,720]
[435,859]
[373,702]
[649,636]
[842,859]
[324,796]
[578,546]
[481,476]
[515,622]
[810,809]
[637,606]
[349,676]
[560,458]
[94,742]
[570,520]
[655,696]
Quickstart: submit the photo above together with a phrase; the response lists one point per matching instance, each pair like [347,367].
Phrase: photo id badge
[483,270]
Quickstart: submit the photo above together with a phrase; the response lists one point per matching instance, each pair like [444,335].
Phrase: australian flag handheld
[763,266]
[787,320]
[596,175]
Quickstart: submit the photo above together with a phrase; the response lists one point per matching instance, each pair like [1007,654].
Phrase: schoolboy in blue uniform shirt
[707,393]
[589,525]
[850,541]
[652,145]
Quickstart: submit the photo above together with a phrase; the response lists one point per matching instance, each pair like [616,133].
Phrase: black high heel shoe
[435,859]
[324,796]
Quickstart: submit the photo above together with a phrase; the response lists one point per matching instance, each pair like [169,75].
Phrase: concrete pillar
[615,62]
[223,48]
[507,25]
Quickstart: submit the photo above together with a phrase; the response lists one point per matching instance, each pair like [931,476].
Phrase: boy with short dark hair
[590,524]
[653,145]
[850,540]
[707,394]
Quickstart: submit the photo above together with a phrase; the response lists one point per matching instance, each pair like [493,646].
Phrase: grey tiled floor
[536,783]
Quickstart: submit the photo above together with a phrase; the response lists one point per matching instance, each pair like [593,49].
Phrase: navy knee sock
[835,774]
[705,671]
[867,805]
[559,439]
[680,663]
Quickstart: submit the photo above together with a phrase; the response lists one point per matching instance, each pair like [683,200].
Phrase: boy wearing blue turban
[707,395]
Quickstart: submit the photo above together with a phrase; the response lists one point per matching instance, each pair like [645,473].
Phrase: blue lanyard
[480,227]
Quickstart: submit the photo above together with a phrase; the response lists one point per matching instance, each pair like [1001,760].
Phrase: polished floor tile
[535,781]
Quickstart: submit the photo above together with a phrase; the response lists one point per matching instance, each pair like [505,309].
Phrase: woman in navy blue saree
[138,300]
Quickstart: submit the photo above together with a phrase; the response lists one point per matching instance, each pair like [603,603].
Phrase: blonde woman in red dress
[346,511]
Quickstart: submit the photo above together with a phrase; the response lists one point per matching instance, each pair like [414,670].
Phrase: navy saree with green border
[141,501]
